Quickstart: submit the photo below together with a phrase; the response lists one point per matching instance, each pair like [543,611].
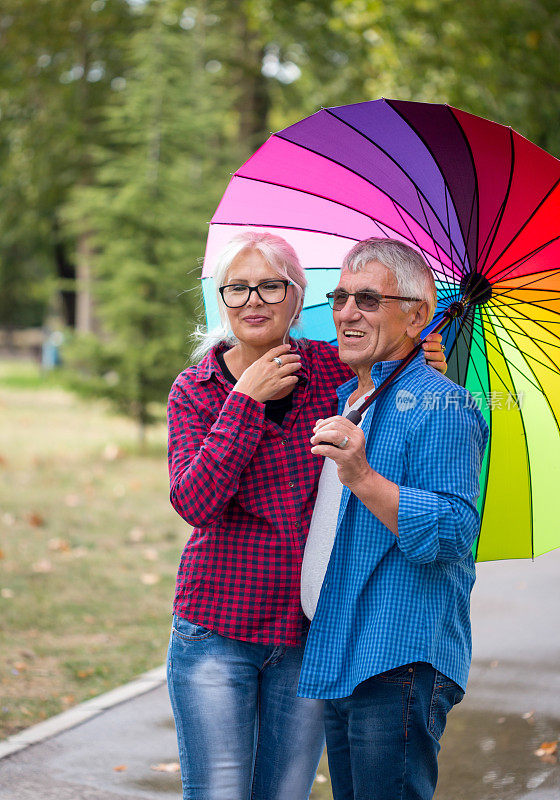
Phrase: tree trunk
[85,322]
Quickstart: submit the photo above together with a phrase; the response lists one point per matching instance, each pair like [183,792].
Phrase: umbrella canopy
[482,205]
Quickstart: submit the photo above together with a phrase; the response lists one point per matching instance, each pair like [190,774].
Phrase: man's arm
[435,515]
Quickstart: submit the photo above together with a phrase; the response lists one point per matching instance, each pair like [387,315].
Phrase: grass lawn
[89,547]
[88,550]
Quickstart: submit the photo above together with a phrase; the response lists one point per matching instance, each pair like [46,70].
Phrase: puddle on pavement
[485,756]
[489,756]
[160,783]
[168,723]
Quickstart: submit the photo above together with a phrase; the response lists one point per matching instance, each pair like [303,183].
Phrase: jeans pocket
[446,693]
[190,631]
[397,675]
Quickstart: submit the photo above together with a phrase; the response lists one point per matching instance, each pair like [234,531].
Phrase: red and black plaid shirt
[247,486]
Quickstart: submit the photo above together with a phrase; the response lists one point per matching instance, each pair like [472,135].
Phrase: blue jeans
[383,740]
[242,732]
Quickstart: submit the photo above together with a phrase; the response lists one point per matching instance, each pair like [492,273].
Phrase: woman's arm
[205,463]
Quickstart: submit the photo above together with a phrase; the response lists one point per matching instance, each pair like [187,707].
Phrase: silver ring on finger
[277,360]
[343,443]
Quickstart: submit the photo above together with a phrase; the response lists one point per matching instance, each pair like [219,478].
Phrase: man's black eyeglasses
[366,301]
[236,295]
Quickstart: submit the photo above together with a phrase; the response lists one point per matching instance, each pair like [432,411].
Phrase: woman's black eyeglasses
[366,301]
[236,295]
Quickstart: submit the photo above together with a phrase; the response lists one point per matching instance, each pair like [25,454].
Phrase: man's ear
[418,320]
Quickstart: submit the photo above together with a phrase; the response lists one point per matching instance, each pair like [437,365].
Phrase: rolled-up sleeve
[437,516]
[206,461]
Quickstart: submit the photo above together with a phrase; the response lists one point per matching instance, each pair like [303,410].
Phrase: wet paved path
[511,707]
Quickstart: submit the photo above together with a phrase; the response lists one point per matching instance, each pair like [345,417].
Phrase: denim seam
[178,719]
[276,655]
[433,701]
[257,744]
[410,701]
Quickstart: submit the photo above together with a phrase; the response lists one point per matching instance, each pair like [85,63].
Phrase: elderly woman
[242,474]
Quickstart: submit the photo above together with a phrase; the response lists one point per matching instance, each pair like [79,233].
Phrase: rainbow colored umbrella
[482,205]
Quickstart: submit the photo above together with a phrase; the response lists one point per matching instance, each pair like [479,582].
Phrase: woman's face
[257,323]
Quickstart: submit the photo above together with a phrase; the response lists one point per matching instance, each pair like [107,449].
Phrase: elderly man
[388,569]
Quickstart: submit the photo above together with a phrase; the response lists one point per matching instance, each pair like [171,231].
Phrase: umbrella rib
[519,262]
[539,387]
[543,392]
[444,179]
[382,150]
[502,208]
[498,350]
[526,318]
[329,199]
[526,355]
[397,209]
[471,360]
[534,303]
[516,264]
[529,218]
[341,204]
[490,425]
[475,174]
[542,277]
[287,228]
[434,240]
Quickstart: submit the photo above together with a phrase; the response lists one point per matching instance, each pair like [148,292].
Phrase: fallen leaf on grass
[42,566]
[84,673]
[60,545]
[171,766]
[112,452]
[72,500]
[149,578]
[120,768]
[68,699]
[547,752]
[2,555]
[7,594]
[21,666]
[136,535]
[34,519]
[150,554]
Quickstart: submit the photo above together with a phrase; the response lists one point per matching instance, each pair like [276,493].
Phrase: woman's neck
[242,355]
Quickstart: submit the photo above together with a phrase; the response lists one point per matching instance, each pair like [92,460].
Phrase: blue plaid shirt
[387,601]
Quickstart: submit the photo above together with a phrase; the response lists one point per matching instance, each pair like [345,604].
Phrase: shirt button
[291,484]
[283,441]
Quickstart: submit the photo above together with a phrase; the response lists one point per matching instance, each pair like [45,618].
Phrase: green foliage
[121,120]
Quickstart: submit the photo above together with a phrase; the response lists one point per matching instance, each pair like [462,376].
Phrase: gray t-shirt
[322,530]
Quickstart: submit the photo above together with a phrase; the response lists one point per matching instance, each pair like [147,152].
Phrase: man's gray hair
[414,277]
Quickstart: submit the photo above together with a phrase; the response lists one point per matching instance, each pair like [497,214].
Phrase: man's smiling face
[366,337]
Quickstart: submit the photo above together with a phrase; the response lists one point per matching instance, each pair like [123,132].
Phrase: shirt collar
[380,371]
[209,364]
